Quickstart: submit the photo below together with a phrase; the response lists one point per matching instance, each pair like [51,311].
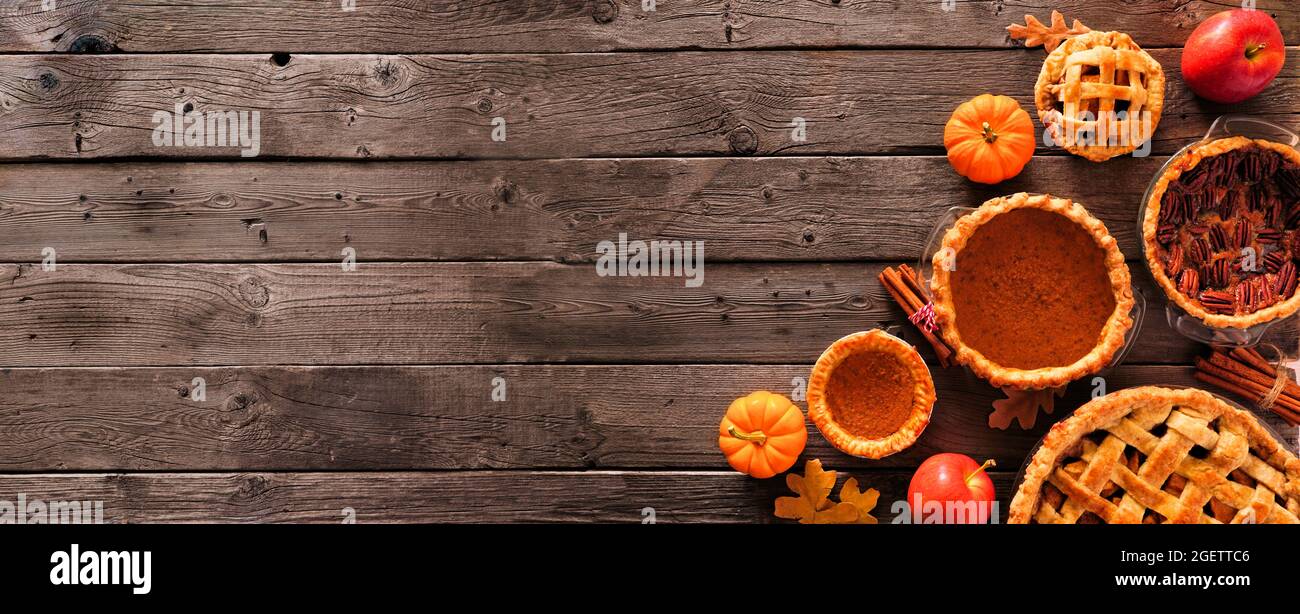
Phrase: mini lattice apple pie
[1099,95]
[1157,455]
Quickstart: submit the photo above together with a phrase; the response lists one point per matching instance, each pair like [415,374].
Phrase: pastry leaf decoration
[813,504]
[1034,33]
[1022,406]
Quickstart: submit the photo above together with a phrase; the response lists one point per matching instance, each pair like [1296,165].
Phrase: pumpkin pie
[1100,95]
[1222,231]
[870,394]
[1031,292]
[1154,455]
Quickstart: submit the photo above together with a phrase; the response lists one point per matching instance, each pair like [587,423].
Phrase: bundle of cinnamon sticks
[1245,372]
[905,287]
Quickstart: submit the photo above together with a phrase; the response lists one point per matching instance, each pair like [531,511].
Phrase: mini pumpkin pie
[1031,292]
[1154,455]
[1222,231]
[1100,95]
[870,394]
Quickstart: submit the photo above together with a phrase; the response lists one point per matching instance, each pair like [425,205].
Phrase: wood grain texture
[481,313]
[365,418]
[750,209]
[554,106]
[443,497]
[406,26]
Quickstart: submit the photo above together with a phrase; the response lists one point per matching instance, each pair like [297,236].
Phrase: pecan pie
[1100,95]
[1031,292]
[870,394]
[1222,231]
[1157,455]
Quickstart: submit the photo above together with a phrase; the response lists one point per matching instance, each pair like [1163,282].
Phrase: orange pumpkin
[762,434]
[989,138]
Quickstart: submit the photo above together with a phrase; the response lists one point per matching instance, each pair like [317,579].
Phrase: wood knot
[48,80]
[505,190]
[604,11]
[241,401]
[89,43]
[387,73]
[251,487]
[484,105]
[254,292]
[221,200]
[743,141]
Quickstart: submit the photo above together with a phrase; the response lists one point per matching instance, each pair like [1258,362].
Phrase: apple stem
[757,437]
[1253,50]
[988,463]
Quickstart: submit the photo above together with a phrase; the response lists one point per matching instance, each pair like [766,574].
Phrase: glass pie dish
[1148,397]
[925,272]
[1188,324]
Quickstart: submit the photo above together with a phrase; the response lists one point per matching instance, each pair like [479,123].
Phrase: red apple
[951,478]
[1233,55]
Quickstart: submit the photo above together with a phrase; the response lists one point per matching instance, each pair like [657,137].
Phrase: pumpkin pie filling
[1032,290]
[871,394]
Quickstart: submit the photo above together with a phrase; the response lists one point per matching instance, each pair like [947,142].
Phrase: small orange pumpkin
[762,434]
[989,138]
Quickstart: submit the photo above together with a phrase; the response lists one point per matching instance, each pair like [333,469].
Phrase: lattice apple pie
[1158,455]
[1100,95]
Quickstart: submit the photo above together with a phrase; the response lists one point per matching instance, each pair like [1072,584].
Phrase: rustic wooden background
[371,389]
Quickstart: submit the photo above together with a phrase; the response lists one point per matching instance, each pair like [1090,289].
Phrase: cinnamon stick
[1259,388]
[1257,368]
[904,288]
[1291,417]
[1248,374]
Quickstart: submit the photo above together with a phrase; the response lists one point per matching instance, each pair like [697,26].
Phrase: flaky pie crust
[922,400]
[1265,460]
[1112,336]
[1185,162]
[1054,73]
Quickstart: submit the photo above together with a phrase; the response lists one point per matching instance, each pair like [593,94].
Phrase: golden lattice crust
[1112,335]
[1151,223]
[922,400]
[1219,455]
[1125,73]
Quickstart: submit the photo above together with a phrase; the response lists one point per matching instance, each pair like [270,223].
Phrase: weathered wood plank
[391,26]
[365,418]
[442,497]
[871,208]
[158,315]
[553,106]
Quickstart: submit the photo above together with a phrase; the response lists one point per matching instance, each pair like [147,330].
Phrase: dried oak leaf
[865,501]
[1023,406]
[813,505]
[1034,33]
